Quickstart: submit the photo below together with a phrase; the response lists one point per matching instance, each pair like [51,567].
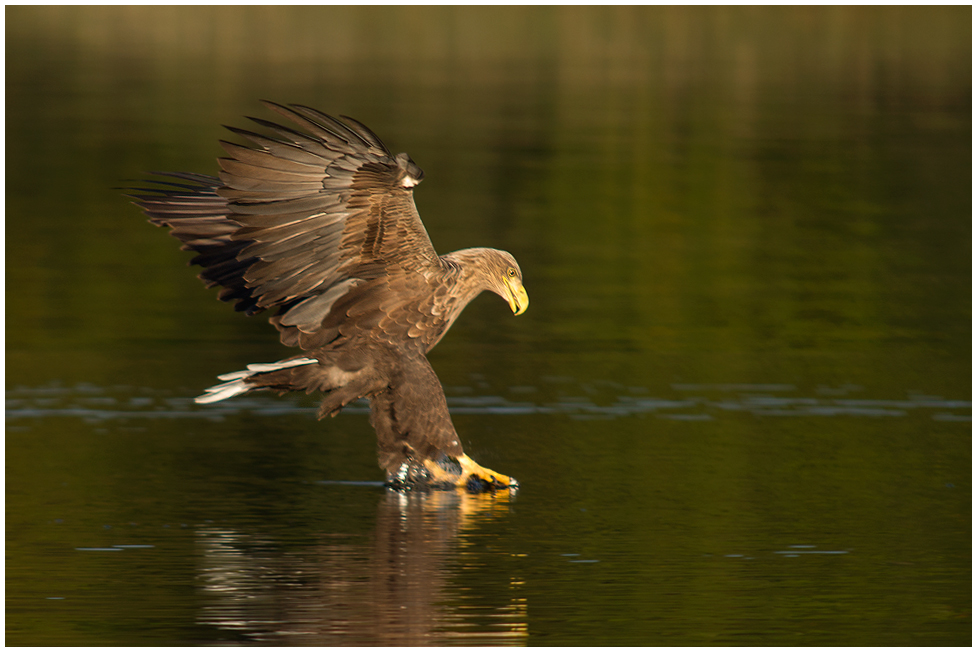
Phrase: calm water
[739,406]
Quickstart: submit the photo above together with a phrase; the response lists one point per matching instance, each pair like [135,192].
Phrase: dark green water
[739,404]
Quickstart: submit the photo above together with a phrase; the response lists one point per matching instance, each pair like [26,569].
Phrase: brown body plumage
[319,224]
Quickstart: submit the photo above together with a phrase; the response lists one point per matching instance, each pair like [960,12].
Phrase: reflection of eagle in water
[320,225]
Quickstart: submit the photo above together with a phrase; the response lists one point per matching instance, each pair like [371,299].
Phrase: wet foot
[476,478]
[449,473]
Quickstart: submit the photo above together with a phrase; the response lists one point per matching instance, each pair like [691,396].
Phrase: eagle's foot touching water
[448,473]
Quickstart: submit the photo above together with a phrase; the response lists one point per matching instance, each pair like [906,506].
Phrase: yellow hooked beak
[517,296]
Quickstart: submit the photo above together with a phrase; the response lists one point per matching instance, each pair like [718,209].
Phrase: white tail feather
[235,380]
[234,375]
[222,391]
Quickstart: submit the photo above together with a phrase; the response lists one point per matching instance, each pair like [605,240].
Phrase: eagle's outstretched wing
[300,220]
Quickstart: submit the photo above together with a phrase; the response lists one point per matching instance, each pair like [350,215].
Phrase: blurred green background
[745,233]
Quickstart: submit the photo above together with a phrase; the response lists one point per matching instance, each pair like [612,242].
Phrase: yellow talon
[470,470]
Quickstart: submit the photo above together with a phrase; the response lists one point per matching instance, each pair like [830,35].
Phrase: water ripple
[95,404]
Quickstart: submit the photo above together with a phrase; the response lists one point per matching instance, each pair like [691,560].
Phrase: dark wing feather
[320,207]
[305,219]
[198,217]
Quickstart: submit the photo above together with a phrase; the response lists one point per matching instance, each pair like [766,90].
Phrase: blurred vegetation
[676,179]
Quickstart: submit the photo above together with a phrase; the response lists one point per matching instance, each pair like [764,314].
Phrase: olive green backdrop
[739,404]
